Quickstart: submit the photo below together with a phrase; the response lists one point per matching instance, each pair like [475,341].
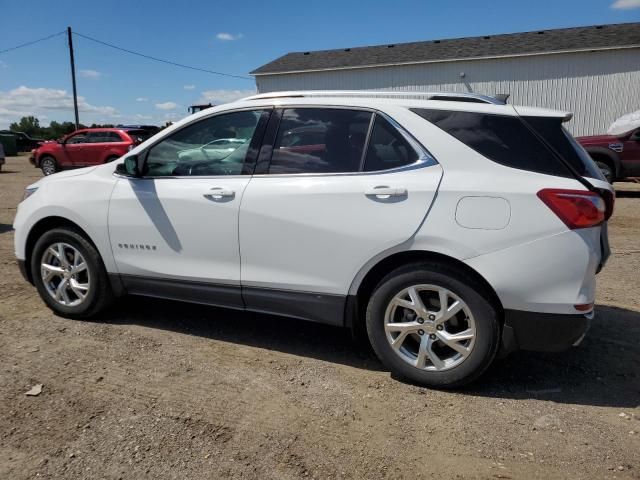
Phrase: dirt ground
[160,389]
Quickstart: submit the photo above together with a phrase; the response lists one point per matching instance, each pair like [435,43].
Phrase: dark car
[86,147]
[618,156]
[24,141]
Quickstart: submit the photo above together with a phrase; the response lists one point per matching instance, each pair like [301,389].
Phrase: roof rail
[455,97]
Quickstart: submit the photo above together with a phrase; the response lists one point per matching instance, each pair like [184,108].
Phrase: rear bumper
[542,332]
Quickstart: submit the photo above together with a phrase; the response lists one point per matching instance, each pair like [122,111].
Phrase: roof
[599,37]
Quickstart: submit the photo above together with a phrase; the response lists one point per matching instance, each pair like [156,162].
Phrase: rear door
[348,187]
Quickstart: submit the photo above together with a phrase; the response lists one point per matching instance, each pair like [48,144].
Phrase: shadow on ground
[4,228]
[602,371]
[627,193]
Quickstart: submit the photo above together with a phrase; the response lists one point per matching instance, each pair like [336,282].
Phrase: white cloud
[625,4]
[23,101]
[142,99]
[92,74]
[189,87]
[224,96]
[227,37]
[166,106]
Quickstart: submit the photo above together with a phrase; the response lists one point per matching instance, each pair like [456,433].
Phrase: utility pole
[73,77]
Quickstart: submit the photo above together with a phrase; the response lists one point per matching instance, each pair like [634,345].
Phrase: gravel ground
[160,389]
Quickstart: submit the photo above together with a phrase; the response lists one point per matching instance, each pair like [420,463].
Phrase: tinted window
[79,138]
[552,131]
[103,137]
[320,140]
[387,148]
[139,136]
[213,146]
[503,139]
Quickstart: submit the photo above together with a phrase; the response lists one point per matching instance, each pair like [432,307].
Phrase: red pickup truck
[87,147]
[618,156]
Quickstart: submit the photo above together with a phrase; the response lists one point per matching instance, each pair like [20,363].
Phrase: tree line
[31,126]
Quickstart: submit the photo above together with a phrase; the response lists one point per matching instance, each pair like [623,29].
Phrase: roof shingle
[511,44]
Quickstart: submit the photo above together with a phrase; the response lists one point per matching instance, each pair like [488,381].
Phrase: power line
[32,42]
[160,59]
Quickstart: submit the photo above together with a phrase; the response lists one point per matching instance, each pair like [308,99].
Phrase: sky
[231,37]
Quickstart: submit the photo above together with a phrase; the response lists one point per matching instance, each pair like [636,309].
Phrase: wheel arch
[44,225]
[606,155]
[360,293]
[43,155]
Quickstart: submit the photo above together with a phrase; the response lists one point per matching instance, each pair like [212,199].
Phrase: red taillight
[576,208]
[583,307]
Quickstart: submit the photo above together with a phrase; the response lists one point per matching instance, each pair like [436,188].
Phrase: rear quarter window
[504,139]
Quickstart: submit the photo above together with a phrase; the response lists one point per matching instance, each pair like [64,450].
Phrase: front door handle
[217,193]
[384,191]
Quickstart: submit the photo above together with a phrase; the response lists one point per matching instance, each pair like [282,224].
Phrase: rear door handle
[386,191]
[216,193]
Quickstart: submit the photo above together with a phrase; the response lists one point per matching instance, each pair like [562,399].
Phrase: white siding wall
[597,86]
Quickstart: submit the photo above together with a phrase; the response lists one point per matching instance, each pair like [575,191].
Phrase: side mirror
[60,141]
[130,167]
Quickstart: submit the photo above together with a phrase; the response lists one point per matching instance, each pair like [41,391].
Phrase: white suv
[448,226]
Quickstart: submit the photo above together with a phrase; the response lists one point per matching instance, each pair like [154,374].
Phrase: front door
[328,203]
[75,149]
[174,232]
[630,155]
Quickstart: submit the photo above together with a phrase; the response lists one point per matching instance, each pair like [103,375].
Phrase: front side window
[387,148]
[77,138]
[320,140]
[213,146]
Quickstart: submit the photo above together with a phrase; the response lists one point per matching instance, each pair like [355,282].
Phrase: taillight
[576,208]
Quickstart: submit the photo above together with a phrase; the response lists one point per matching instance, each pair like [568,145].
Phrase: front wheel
[69,274]
[429,324]
[48,165]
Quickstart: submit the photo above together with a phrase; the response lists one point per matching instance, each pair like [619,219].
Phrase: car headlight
[28,192]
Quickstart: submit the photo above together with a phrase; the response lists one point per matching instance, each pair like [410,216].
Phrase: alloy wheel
[430,327]
[48,166]
[65,275]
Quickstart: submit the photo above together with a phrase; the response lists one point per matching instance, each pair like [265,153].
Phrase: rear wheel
[428,323]
[48,165]
[69,275]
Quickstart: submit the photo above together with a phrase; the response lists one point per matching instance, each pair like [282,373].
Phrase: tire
[48,165]
[607,170]
[97,295]
[111,159]
[478,320]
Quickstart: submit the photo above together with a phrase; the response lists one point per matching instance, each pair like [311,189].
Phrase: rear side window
[103,137]
[320,140]
[504,139]
[387,148]
[564,144]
